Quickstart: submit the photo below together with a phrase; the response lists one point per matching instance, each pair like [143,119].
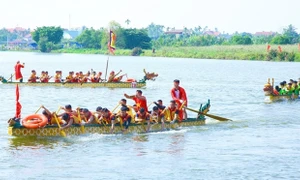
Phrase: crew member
[33,77]
[112,76]
[18,74]
[173,113]
[178,94]
[124,119]
[57,77]
[143,116]
[139,100]
[69,120]
[158,115]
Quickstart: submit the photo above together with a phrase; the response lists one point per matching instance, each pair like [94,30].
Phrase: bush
[282,55]
[291,57]
[272,54]
[137,51]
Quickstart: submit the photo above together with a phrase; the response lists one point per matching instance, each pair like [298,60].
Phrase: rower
[33,77]
[93,77]
[173,113]
[69,121]
[98,77]
[139,99]
[50,117]
[143,116]
[57,77]
[42,76]
[178,94]
[88,117]
[123,118]
[112,76]
[158,115]
[69,78]
[45,78]
[123,103]
[107,117]
[159,104]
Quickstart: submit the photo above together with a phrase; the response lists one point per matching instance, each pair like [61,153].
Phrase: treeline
[157,36]
[196,37]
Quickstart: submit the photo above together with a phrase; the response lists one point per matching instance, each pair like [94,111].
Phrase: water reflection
[19,143]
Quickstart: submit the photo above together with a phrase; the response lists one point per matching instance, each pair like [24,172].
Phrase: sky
[226,15]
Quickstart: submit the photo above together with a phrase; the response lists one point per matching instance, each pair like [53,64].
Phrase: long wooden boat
[16,129]
[99,129]
[84,85]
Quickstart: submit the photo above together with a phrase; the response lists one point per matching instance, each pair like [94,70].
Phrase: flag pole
[106,67]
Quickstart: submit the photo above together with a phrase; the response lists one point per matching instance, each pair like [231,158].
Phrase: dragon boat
[269,92]
[138,84]
[16,129]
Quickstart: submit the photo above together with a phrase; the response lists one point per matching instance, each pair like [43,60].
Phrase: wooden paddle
[209,115]
[115,108]
[62,132]
[38,110]
[81,126]
[11,77]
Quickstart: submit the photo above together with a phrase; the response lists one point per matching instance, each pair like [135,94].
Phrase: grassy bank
[251,52]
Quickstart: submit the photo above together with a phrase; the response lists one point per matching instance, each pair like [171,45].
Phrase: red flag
[112,42]
[18,104]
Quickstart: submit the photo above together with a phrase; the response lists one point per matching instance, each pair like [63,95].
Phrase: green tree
[155,31]
[241,39]
[50,37]
[291,34]
[280,39]
[90,38]
[137,38]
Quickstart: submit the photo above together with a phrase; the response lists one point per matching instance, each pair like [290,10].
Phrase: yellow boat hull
[85,85]
[97,129]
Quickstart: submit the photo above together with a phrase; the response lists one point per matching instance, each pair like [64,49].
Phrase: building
[263,33]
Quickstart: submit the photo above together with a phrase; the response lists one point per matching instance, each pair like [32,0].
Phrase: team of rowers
[78,77]
[138,113]
[292,88]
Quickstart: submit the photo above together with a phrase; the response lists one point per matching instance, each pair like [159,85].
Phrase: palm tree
[127,22]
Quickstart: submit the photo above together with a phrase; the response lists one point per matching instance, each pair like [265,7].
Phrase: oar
[209,115]
[150,104]
[81,126]
[62,132]
[115,108]
[38,110]
[11,77]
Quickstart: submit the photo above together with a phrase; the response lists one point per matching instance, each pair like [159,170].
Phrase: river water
[262,141]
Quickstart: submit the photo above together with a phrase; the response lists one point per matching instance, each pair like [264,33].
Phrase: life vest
[109,118]
[32,78]
[125,118]
[145,116]
[57,78]
[170,114]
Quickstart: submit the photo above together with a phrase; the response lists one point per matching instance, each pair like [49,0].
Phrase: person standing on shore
[18,74]
[179,96]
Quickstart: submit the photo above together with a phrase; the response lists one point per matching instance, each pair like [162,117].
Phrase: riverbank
[235,52]
[251,52]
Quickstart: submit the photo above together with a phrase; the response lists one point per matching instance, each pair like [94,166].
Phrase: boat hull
[84,85]
[97,129]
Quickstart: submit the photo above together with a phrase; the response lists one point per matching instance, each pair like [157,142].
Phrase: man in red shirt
[18,74]
[178,94]
[140,100]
